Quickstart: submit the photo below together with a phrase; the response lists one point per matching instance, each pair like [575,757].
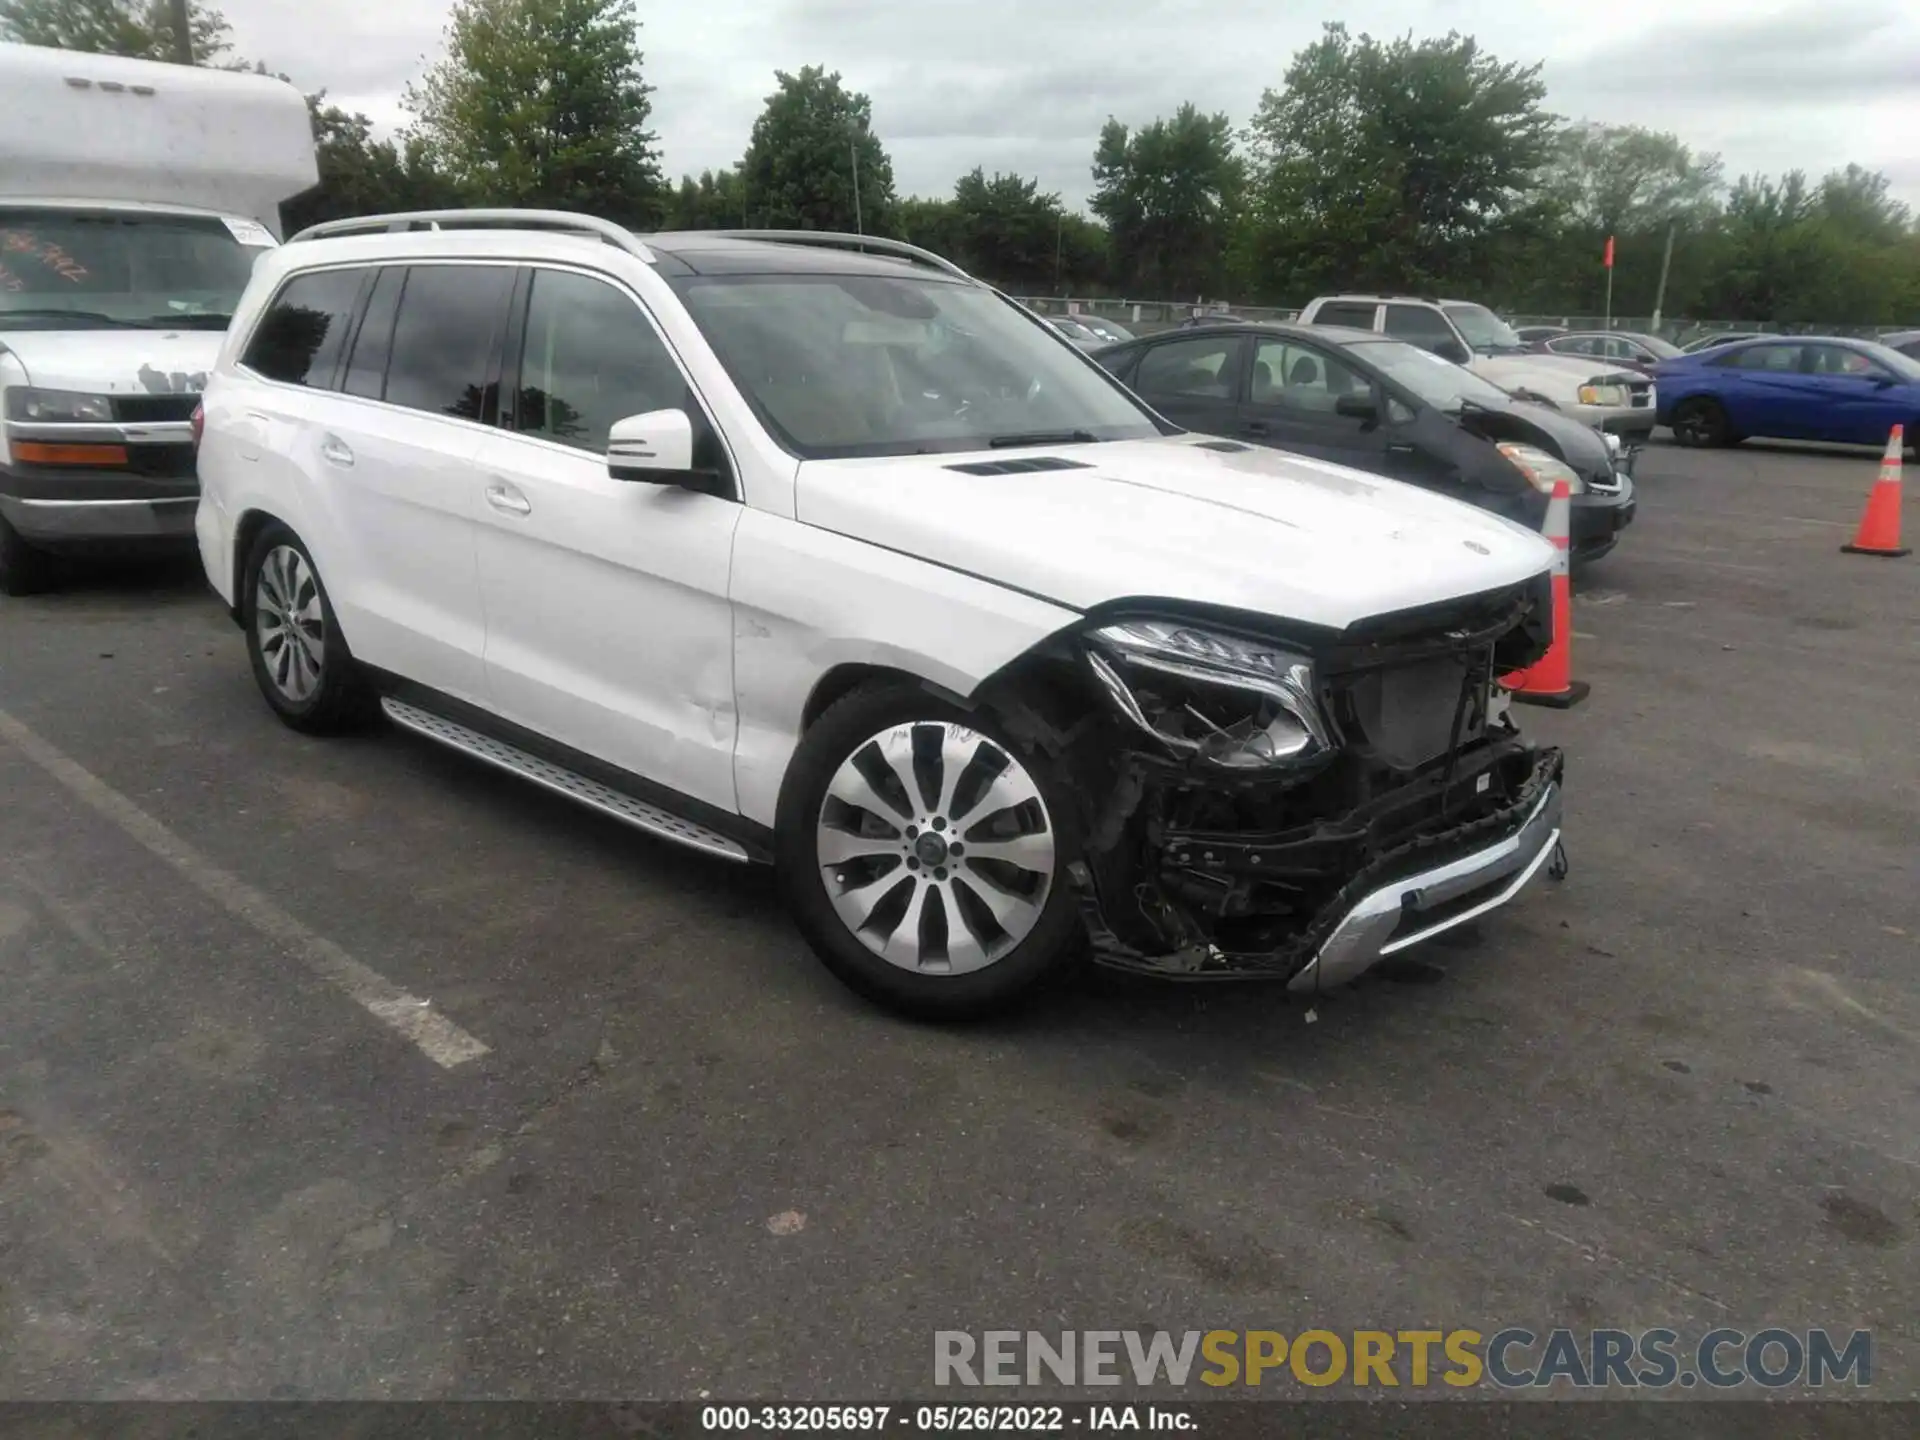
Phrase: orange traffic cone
[1549,680]
[1879,532]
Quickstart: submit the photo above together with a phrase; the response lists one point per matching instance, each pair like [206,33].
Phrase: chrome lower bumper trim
[170,515]
[1421,906]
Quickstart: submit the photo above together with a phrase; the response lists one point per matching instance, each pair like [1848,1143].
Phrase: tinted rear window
[1360,317]
[299,339]
[445,338]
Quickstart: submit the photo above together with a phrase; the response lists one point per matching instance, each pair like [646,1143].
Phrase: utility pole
[182,35]
[1059,241]
[1666,259]
[853,149]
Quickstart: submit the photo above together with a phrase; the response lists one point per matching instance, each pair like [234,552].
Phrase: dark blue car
[1802,388]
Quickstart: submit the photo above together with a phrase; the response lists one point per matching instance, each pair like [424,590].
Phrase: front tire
[23,569]
[300,659]
[924,852]
[1701,423]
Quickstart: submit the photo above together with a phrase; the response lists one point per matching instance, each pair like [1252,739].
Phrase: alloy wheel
[936,847]
[290,623]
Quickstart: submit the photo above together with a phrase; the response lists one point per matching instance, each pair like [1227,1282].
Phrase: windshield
[78,269]
[845,365]
[1482,329]
[1665,349]
[1440,383]
[1905,366]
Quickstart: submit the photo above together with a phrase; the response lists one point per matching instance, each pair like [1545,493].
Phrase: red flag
[1608,262]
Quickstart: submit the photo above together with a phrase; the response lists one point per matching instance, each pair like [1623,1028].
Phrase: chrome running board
[562,781]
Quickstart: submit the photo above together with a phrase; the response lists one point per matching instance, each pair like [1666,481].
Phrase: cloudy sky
[1024,85]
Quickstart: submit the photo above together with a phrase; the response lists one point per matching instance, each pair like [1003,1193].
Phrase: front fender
[806,601]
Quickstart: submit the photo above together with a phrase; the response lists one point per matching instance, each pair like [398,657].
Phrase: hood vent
[1023,466]
[1225,447]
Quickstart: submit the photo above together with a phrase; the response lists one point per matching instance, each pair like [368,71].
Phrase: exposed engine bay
[1245,788]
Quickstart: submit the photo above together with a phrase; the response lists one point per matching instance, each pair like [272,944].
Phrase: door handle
[334,451]
[1400,449]
[1256,427]
[504,498]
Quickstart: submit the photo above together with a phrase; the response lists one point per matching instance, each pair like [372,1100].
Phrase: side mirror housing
[1357,407]
[651,449]
[1453,350]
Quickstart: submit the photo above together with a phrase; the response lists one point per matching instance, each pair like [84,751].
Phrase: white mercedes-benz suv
[812,550]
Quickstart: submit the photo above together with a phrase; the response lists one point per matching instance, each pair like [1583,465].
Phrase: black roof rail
[480,219]
[837,240]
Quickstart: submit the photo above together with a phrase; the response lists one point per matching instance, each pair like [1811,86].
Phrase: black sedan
[1375,403]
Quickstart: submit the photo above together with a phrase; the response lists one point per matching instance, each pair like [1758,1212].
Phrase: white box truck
[134,198]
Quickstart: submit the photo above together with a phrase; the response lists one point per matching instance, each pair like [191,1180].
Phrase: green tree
[541,103]
[800,166]
[1856,200]
[1619,179]
[1630,183]
[1407,164]
[362,175]
[142,29]
[716,201]
[932,225]
[1008,231]
[1168,194]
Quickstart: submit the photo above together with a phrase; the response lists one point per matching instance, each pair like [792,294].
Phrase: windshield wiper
[1043,437]
[188,322]
[92,317]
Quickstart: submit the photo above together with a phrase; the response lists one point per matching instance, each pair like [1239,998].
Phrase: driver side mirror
[651,449]
[1884,382]
[1453,350]
[1357,407]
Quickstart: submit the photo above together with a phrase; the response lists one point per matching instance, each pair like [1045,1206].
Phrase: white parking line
[442,1041]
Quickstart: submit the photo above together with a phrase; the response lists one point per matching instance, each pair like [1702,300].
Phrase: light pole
[1666,260]
[853,151]
[182,35]
[1059,240]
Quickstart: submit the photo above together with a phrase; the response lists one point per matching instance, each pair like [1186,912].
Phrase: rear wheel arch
[246,532]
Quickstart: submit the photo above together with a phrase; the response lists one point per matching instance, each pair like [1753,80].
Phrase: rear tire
[940,889]
[300,658]
[1701,423]
[23,569]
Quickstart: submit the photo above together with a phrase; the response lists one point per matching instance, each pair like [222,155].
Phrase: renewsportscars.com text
[1508,1359]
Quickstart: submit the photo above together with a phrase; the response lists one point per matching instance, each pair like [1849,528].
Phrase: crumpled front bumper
[1429,884]
[1416,907]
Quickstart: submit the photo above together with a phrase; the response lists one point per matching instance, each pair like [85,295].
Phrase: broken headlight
[1238,703]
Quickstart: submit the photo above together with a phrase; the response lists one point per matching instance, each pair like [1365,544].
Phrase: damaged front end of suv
[1300,804]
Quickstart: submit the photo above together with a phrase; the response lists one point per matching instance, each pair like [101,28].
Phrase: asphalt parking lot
[672,1157]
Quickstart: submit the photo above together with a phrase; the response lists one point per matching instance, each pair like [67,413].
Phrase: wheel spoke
[956,755]
[1011,787]
[836,847]
[857,902]
[903,945]
[1014,914]
[850,787]
[1028,852]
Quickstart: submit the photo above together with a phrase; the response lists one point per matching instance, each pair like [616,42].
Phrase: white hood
[116,362]
[1253,530]
[1558,377]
